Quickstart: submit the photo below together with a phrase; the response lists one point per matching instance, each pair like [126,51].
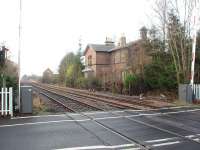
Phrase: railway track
[68,102]
[79,103]
[136,100]
[111,101]
[71,105]
[50,105]
[66,99]
[99,105]
[140,144]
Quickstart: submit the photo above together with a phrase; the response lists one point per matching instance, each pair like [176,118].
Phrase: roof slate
[101,47]
[111,48]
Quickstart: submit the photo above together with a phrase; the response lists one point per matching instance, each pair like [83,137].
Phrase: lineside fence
[189,93]
[6,102]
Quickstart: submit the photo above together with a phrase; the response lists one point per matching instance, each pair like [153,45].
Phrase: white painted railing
[6,102]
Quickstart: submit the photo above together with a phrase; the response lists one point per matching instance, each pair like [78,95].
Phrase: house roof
[109,48]
[99,47]
[128,45]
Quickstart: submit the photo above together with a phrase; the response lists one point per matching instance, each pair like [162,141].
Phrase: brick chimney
[143,33]
[122,41]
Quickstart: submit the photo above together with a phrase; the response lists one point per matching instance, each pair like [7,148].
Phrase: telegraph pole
[164,27]
[19,53]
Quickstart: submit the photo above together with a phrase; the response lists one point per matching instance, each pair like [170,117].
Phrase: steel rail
[70,98]
[140,122]
[123,99]
[60,103]
[108,101]
[136,142]
[155,127]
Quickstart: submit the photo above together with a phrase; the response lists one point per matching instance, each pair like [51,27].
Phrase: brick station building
[108,62]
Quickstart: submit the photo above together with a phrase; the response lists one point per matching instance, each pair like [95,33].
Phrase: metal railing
[6,102]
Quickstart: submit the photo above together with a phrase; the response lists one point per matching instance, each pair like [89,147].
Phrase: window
[89,60]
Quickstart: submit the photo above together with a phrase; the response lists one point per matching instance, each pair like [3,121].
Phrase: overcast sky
[51,28]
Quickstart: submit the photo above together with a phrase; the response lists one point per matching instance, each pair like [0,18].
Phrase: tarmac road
[176,128]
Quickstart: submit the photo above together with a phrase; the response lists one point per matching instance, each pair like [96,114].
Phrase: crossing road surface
[174,128]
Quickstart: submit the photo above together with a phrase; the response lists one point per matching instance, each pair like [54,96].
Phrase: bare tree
[174,23]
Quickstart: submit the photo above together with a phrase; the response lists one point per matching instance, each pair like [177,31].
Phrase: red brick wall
[109,66]
[103,58]
[100,62]
[91,52]
[119,60]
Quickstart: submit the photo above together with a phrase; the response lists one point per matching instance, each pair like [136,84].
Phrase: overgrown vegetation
[169,42]
[160,74]
[9,76]
[70,71]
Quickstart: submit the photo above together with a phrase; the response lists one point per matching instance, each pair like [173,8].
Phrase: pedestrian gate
[6,102]
[189,94]
[196,90]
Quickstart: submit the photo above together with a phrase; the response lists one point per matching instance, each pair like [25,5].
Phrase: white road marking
[151,114]
[72,114]
[103,112]
[128,146]
[119,111]
[182,111]
[100,118]
[26,117]
[172,138]
[164,108]
[97,118]
[38,123]
[167,143]
[175,107]
[196,139]
[160,140]
[132,148]
[190,136]
[144,114]
[99,147]
[115,111]
[193,136]
[99,112]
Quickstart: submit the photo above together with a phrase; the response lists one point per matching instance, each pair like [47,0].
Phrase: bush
[160,76]
[82,82]
[10,81]
[130,80]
